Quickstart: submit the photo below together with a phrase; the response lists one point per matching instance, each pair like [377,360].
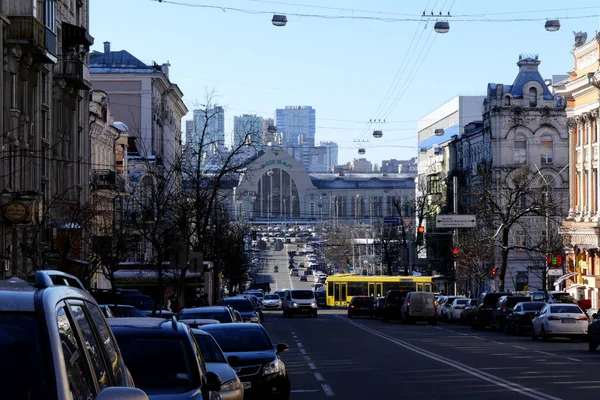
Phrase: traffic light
[348,263]
[420,234]
[455,251]
[494,271]
[554,260]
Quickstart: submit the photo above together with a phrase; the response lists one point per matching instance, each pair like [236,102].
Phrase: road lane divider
[515,387]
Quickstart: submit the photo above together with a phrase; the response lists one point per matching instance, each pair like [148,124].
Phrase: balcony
[104,179]
[72,71]
[73,35]
[33,37]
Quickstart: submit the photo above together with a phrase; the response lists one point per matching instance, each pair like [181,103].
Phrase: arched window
[520,150]
[532,97]
[546,149]
[507,100]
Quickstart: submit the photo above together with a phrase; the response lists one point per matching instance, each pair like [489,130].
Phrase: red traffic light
[494,271]
[455,251]
[421,229]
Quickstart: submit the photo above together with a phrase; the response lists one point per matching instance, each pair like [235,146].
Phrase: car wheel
[592,346]
[517,329]
[543,334]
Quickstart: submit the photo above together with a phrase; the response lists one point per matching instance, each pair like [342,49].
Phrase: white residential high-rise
[214,121]
[331,154]
[247,130]
[189,131]
[297,124]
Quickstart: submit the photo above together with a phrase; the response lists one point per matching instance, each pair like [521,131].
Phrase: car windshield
[272,297]
[303,294]
[362,301]
[241,305]
[20,343]
[533,306]
[242,339]
[210,349]
[563,298]
[565,309]
[220,316]
[461,301]
[159,363]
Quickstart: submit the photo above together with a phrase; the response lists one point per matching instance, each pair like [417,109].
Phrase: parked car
[299,301]
[419,306]
[231,386]
[553,297]
[47,360]
[244,306]
[123,310]
[457,309]
[255,359]
[560,320]
[378,307]
[361,306]
[486,303]
[519,321]
[594,332]
[470,312]
[164,360]
[504,307]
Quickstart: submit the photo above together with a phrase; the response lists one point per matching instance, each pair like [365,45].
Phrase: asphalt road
[333,356]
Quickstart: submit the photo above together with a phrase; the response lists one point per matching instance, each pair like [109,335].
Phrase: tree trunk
[504,259]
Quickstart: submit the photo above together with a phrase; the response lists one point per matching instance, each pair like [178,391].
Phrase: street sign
[391,220]
[455,221]
[407,221]
[555,271]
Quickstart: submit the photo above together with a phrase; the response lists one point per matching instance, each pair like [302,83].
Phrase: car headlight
[295,305]
[234,384]
[273,367]
[313,304]
[254,319]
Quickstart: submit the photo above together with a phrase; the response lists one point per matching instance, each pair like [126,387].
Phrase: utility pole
[455,235]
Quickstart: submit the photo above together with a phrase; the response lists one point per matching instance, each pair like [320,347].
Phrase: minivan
[299,301]
[419,306]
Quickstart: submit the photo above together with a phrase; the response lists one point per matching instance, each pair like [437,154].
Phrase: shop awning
[564,278]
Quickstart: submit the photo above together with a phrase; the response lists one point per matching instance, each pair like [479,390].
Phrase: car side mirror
[213,381]
[281,347]
[121,393]
[234,361]
[537,313]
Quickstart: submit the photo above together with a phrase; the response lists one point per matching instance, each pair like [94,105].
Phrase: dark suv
[164,358]
[394,299]
[486,303]
[55,343]
[361,305]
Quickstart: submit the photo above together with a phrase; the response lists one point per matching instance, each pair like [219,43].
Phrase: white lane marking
[299,344]
[573,359]
[291,283]
[302,351]
[319,377]
[307,358]
[312,365]
[304,390]
[519,347]
[493,341]
[327,390]
[534,394]
[548,354]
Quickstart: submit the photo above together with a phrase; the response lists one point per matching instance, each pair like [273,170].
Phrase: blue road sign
[391,220]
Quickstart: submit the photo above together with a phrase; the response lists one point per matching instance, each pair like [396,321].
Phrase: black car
[361,306]
[254,358]
[522,314]
[221,313]
[594,333]
[164,359]
[321,298]
[504,308]
[486,303]
[394,299]
[379,307]
[245,307]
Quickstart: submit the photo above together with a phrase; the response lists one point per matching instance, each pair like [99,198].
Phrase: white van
[419,306]
[299,301]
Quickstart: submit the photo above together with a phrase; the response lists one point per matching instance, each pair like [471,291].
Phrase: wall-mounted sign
[16,211]
[276,162]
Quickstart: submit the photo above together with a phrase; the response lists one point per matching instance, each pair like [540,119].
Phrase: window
[520,238]
[520,150]
[80,383]
[532,97]
[507,100]
[546,150]
[357,288]
[94,350]
[112,351]
[50,14]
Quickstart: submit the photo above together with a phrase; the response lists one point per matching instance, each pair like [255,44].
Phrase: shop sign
[16,211]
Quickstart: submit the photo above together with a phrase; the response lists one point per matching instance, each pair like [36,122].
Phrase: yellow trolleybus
[341,288]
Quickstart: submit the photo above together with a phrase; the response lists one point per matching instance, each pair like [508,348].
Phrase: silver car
[231,386]
[272,302]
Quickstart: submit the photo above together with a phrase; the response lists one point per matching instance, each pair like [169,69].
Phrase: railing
[72,70]
[27,30]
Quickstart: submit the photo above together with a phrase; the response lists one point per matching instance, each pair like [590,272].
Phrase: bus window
[428,287]
[357,289]
[419,287]
[329,288]
[379,290]
[372,289]
[336,293]
[343,294]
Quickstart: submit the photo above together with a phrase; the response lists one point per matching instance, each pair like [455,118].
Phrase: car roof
[232,326]
[207,309]
[119,305]
[140,326]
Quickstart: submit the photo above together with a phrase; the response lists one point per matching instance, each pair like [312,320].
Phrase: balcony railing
[72,71]
[32,35]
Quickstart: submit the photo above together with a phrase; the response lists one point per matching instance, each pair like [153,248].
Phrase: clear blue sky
[344,68]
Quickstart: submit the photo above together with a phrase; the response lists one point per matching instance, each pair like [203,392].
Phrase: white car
[457,308]
[566,320]
[272,302]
